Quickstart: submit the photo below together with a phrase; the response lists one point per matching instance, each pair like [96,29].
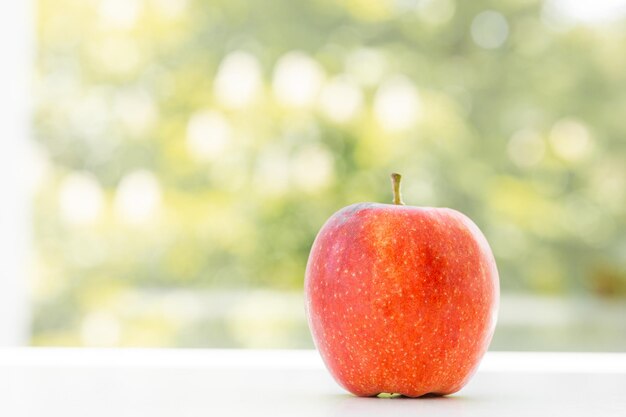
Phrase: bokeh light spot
[526,148]
[138,197]
[171,8]
[570,140]
[297,79]
[208,135]
[397,104]
[100,329]
[312,168]
[136,110]
[272,172]
[563,14]
[366,66]
[341,99]
[490,29]
[436,12]
[238,80]
[81,198]
[119,14]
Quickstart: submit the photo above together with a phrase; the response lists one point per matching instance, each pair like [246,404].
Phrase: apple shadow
[388,396]
[346,405]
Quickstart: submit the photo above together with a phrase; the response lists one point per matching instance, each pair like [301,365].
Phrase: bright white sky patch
[560,13]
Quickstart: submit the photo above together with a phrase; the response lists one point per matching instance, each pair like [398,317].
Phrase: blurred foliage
[193,148]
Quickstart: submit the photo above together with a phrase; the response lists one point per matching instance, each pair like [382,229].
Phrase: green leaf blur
[191,150]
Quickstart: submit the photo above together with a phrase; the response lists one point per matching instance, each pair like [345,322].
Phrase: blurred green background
[189,151]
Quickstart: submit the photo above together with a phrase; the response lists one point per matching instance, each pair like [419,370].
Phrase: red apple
[401,299]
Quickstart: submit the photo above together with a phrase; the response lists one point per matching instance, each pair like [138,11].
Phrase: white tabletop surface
[143,382]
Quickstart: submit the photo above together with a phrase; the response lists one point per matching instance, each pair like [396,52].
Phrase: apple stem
[395,182]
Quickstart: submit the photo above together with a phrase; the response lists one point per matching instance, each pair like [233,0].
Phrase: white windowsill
[164,382]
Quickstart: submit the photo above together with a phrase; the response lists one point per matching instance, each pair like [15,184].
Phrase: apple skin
[401,299]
